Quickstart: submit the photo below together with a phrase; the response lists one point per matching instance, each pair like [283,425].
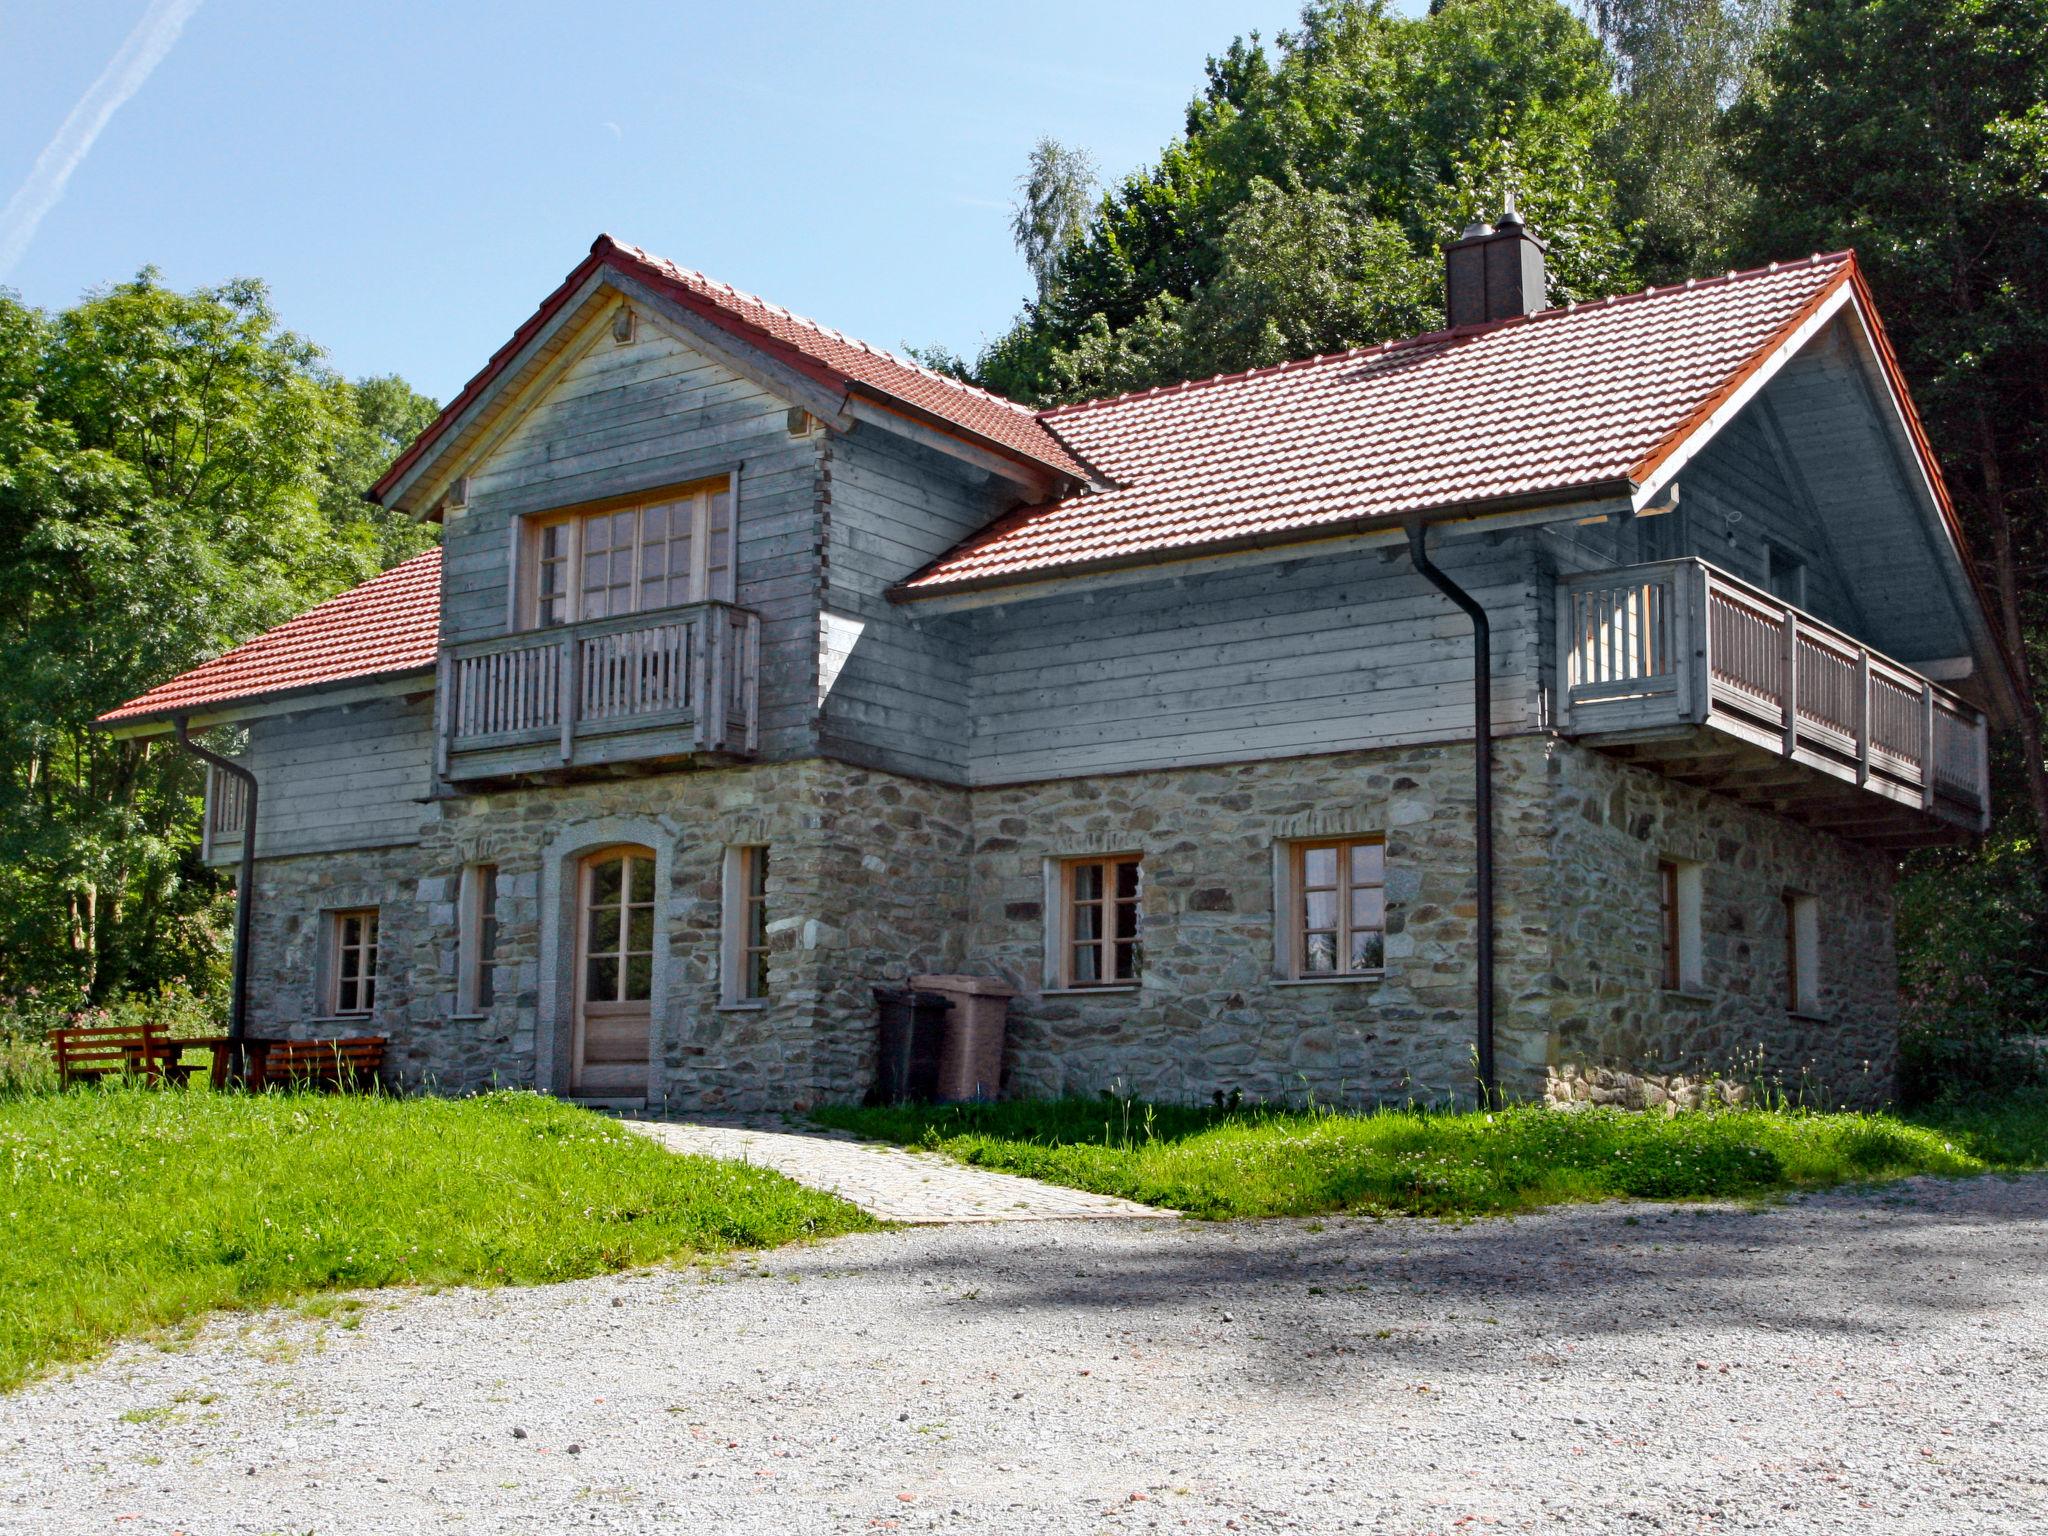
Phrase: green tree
[1679,64]
[1396,126]
[1053,209]
[175,474]
[1917,132]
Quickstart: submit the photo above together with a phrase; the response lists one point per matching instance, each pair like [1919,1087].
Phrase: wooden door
[614,972]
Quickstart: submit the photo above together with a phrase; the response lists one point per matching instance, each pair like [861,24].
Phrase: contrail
[139,54]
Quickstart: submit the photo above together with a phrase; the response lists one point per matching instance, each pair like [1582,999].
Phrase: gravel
[1869,1360]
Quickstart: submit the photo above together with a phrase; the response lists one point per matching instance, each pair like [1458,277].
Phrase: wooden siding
[898,684]
[633,416]
[1327,653]
[332,779]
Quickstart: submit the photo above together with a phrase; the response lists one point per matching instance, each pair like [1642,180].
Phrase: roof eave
[276,701]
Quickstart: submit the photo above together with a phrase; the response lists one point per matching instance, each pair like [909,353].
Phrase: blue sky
[412,179]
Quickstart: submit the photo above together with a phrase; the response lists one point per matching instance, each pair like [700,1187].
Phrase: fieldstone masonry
[875,877]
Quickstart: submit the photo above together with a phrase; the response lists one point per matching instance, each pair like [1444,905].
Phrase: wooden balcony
[1709,680]
[642,689]
[226,816]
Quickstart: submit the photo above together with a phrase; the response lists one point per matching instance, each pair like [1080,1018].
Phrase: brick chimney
[1492,272]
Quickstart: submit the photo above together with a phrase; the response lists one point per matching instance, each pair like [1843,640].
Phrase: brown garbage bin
[971,1041]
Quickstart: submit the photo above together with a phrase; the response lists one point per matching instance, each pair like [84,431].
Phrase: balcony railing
[666,684]
[1681,643]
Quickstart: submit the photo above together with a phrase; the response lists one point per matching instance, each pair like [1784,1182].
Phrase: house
[757,666]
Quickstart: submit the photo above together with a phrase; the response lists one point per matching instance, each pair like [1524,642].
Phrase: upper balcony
[1711,681]
[641,688]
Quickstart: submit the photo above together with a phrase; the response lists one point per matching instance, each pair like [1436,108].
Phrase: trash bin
[971,1043]
[907,1054]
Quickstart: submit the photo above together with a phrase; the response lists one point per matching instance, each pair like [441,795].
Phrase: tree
[174,470]
[1917,132]
[1057,191]
[1389,125]
[1679,65]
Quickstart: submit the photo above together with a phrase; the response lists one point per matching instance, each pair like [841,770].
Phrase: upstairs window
[658,551]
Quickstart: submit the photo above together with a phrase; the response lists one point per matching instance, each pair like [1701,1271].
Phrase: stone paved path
[919,1188]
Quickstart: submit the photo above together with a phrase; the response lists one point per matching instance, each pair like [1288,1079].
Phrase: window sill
[469,1016]
[344,1018]
[1687,995]
[743,1005]
[1353,979]
[1809,1018]
[1122,989]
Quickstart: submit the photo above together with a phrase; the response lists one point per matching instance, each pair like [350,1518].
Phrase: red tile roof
[1540,407]
[387,625]
[817,351]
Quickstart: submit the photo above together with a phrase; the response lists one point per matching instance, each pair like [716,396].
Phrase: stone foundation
[875,877]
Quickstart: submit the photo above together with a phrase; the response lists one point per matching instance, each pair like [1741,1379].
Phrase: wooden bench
[336,1064]
[90,1053]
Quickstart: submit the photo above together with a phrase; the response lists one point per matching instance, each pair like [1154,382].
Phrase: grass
[127,1209]
[1271,1162]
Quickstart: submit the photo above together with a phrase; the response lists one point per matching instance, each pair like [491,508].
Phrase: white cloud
[138,56]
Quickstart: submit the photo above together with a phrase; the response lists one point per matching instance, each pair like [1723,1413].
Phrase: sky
[412,179]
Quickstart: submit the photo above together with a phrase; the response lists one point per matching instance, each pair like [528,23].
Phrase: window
[1678,924]
[352,962]
[669,548]
[476,988]
[1337,906]
[1095,930]
[1802,953]
[746,925]
[1785,574]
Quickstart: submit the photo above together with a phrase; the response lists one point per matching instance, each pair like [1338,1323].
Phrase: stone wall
[1214,1014]
[1620,1036]
[875,877]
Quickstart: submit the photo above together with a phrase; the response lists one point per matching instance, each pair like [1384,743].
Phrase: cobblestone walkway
[919,1188]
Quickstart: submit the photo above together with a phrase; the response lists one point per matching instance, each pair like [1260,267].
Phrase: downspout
[1482,786]
[245,893]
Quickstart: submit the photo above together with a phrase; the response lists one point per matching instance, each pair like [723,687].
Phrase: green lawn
[125,1209]
[1252,1162]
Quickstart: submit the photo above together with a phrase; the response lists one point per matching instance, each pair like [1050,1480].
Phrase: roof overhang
[282,701]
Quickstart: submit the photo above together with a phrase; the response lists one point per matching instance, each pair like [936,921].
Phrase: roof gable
[817,366]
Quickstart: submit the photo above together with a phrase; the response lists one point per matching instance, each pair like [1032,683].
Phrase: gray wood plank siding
[1327,653]
[629,417]
[898,694]
[332,779]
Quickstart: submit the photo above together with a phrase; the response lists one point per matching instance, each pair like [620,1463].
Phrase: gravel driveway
[1872,1361]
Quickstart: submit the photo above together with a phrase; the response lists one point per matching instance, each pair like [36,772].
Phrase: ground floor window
[478,944]
[1678,924]
[746,924]
[352,961]
[1802,953]
[1337,908]
[1095,922]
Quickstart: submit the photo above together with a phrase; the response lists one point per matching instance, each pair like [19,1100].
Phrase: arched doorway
[614,971]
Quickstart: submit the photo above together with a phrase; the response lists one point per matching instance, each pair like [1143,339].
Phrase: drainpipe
[1482,784]
[245,895]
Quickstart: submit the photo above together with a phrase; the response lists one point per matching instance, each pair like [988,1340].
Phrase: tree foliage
[177,472]
[1302,209]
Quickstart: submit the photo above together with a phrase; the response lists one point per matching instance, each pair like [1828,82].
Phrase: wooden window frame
[1802,954]
[705,585]
[1296,909]
[1061,942]
[625,953]
[477,940]
[1680,896]
[744,959]
[367,947]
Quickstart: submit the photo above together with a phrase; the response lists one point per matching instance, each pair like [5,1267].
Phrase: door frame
[561,945]
[627,1080]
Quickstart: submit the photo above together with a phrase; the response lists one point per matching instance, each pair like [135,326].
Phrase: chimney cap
[1478,229]
[1509,218]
